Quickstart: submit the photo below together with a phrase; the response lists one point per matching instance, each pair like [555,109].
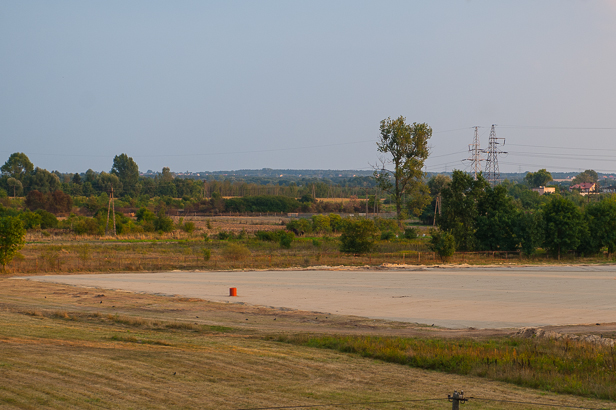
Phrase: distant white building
[544,190]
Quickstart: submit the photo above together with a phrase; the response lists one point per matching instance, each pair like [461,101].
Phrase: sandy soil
[476,297]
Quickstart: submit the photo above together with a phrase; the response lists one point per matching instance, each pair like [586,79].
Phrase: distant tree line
[20,177]
[510,217]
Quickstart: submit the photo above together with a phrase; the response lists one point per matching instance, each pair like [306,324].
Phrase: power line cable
[340,404]
[562,406]
[539,127]
[585,157]
[570,148]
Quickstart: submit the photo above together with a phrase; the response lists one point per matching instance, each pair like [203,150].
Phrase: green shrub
[387,236]
[299,226]
[87,226]
[235,252]
[443,243]
[30,220]
[411,233]
[188,227]
[383,224]
[163,223]
[321,224]
[267,236]
[335,221]
[286,239]
[144,214]
[12,238]
[207,254]
[358,235]
[224,235]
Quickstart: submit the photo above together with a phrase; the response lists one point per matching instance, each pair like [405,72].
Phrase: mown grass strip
[131,339]
[128,321]
[560,366]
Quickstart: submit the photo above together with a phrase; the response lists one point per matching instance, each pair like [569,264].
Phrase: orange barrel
[232,291]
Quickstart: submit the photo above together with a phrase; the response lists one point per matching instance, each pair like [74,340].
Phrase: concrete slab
[448,297]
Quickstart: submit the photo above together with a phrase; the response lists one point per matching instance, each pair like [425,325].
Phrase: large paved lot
[456,298]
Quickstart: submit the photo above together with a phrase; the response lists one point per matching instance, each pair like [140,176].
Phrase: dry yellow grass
[61,348]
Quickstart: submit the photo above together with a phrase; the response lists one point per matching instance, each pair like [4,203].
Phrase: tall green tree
[12,234]
[42,180]
[600,217]
[17,166]
[587,176]
[407,147]
[537,179]
[460,208]
[107,181]
[126,169]
[15,184]
[530,231]
[564,226]
[496,221]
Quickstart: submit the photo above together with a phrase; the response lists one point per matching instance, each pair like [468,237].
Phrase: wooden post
[456,399]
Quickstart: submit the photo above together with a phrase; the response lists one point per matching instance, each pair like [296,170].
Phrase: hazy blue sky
[220,85]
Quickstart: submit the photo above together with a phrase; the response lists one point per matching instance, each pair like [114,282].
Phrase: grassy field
[164,253]
[562,366]
[63,347]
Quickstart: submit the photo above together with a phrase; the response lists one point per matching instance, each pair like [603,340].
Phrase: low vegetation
[560,366]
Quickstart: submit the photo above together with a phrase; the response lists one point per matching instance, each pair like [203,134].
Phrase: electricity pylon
[475,151]
[492,171]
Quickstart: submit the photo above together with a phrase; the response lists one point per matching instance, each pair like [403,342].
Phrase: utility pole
[456,399]
[437,208]
[492,170]
[475,151]
[111,207]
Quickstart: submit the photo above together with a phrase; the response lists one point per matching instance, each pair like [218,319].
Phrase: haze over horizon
[205,86]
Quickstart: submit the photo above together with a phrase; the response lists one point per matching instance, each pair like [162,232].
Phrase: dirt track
[450,297]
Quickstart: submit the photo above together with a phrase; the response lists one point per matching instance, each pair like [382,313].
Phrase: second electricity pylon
[475,151]
[492,171]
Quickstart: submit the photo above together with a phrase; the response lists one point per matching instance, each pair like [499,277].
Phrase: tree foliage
[407,146]
[600,218]
[443,243]
[564,226]
[530,231]
[358,235]
[497,221]
[12,234]
[587,176]
[460,208]
[42,180]
[54,202]
[537,179]
[262,203]
[127,171]
[17,166]
[15,184]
